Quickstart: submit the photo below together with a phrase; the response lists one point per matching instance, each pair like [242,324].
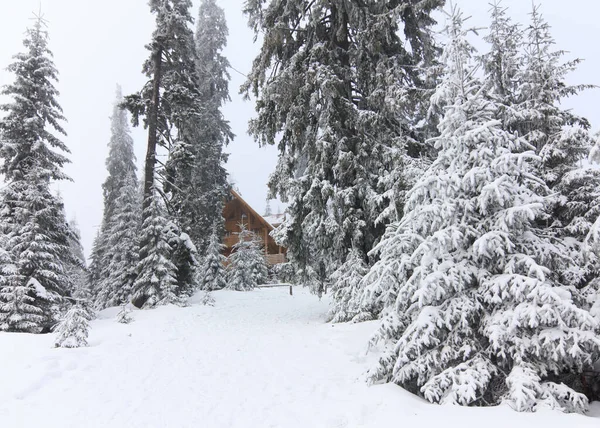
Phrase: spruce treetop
[211,38]
[34,116]
[120,162]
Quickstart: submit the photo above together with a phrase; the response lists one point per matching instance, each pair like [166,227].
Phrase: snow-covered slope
[257,359]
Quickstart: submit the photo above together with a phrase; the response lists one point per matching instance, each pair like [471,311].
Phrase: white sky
[98,44]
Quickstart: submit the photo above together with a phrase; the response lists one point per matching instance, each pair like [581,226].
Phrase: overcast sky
[98,44]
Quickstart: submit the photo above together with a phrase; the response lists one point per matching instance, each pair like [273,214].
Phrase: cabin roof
[260,218]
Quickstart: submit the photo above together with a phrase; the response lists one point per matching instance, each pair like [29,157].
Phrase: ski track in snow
[256,359]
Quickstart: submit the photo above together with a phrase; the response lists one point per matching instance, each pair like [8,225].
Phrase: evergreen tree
[575,214]
[185,258]
[120,162]
[197,179]
[473,308]
[503,65]
[121,236]
[543,86]
[336,89]
[563,141]
[170,97]
[590,254]
[533,109]
[78,273]
[97,268]
[247,264]
[73,330]
[257,259]
[37,237]
[124,315]
[208,299]
[214,274]
[347,290]
[114,253]
[268,210]
[156,282]
[171,106]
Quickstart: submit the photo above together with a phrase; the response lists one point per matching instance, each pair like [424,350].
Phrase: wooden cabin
[237,211]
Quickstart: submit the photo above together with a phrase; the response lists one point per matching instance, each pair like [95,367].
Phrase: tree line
[442,191]
[154,234]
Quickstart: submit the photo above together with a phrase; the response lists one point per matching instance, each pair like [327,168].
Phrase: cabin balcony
[275,259]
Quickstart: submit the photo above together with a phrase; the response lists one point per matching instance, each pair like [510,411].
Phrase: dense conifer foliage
[181,107]
[444,194]
[156,282]
[247,264]
[36,238]
[213,274]
[73,330]
[336,90]
[115,251]
[474,309]
[197,178]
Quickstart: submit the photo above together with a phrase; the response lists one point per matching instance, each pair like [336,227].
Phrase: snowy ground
[258,359]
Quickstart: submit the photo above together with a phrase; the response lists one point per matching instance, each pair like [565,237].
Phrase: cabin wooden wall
[235,212]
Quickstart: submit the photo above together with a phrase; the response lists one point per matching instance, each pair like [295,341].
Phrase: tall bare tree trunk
[152,130]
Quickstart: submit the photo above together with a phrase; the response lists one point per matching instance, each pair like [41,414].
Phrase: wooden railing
[274,259]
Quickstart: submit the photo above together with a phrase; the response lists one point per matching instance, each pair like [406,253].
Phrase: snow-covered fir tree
[528,89]
[171,105]
[247,263]
[36,237]
[170,97]
[558,134]
[124,315]
[563,141]
[347,289]
[207,299]
[543,86]
[77,269]
[503,64]
[97,267]
[156,282]
[184,256]
[473,308]
[122,251]
[120,162]
[195,168]
[575,213]
[340,104]
[590,254]
[268,210]
[213,274]
[73,330]
[121,168]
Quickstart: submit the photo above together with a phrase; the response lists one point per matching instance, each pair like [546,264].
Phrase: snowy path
[259,359]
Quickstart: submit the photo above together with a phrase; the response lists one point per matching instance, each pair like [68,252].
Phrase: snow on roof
[274,219]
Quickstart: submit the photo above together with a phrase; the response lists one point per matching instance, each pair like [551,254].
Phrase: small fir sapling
[213,276]
[247,264]
[124,315]
[72,331]
[207,299]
